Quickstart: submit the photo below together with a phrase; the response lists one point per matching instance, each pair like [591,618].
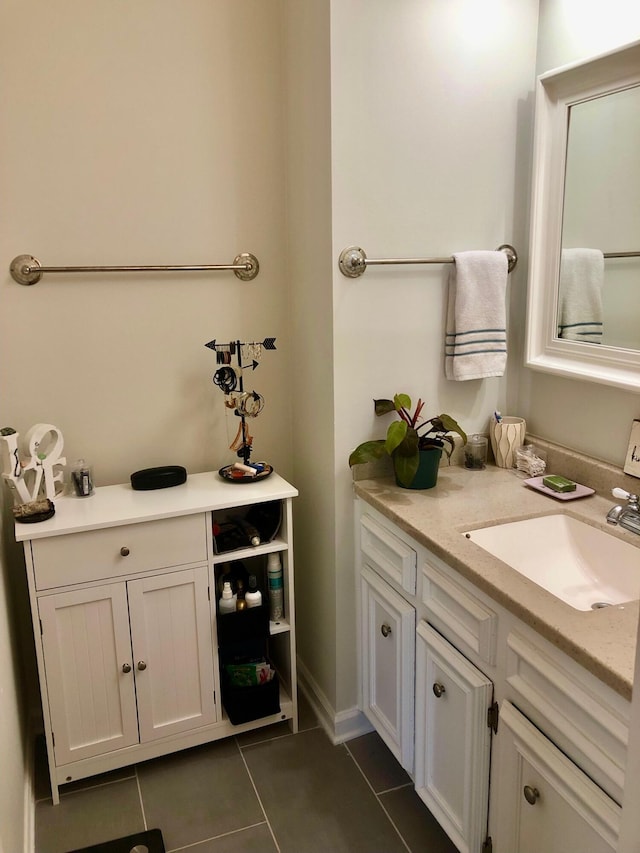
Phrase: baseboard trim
[341,726]
[34,726]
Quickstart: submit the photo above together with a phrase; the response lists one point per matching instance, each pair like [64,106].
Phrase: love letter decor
[39,469]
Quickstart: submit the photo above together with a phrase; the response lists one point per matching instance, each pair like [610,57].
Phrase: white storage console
[124,588]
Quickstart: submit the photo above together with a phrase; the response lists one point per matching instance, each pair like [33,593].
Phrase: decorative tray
[233,475]
[579,492]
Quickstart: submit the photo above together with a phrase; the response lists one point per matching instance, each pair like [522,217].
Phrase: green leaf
[383,407]
[395,436]
[452,445]
[450,425]
[402,401]
[409,444]
[406,467]
[369,451]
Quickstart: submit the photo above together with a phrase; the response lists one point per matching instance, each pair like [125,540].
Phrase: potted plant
[415,444]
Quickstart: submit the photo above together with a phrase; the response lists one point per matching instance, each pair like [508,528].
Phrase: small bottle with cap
[253,596]
[227,602]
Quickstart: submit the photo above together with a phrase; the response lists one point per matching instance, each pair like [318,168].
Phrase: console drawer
[130,548]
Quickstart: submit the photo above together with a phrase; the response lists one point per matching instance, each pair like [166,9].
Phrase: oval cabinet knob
[141,665]
[531,795]
[126,667]
[438,689]
[124,551]
[385,630]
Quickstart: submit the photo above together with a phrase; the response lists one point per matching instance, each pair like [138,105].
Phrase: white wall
[430,114]
[587,417]
[309,252]
[136,133]
[133,133]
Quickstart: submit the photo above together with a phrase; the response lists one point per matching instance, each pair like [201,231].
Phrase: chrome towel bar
[353,260]
[25,269]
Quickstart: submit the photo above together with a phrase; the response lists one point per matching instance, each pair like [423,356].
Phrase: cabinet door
[544,801]
[88,665]
[452,739]
[388,651]
[172,652]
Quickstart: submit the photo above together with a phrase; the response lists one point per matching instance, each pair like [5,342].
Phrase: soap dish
[579,491]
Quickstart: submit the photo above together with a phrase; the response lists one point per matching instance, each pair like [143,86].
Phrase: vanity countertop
[603,641]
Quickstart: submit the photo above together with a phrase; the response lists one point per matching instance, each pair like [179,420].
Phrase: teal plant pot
[427,474]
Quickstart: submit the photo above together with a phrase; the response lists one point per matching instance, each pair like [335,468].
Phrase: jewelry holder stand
[246,404]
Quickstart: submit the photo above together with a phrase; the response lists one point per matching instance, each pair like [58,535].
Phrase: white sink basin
[582,565]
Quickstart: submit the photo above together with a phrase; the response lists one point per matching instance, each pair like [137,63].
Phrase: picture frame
[632,462]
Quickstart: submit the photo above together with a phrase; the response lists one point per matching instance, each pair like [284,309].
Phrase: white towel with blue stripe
[580,295]
[476,333]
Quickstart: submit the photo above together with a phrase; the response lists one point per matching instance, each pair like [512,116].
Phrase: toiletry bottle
[224,577]
[253,596]
[241,603]
[82,479]
[276,598]
[227,602]
[239,572]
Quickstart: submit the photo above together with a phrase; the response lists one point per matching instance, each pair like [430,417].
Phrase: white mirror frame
[556,92]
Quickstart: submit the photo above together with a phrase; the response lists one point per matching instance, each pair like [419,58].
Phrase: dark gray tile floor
[266,791]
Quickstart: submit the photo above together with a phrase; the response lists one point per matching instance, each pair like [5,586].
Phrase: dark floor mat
[141,842]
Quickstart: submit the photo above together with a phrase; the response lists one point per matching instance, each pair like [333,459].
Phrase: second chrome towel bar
[353,260]
[25,269]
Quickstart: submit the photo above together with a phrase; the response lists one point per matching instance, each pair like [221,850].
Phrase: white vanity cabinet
[123,599]
[421,694]
[518,748]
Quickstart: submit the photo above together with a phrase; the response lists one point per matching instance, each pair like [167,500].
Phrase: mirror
[583,314]
[602,209]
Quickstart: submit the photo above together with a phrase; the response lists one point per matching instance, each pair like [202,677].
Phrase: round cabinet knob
[531,795]
[438,690]
[126,667]
[124,551]
[385,630]
[141,665]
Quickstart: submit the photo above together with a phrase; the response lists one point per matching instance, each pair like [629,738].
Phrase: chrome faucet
[627,516]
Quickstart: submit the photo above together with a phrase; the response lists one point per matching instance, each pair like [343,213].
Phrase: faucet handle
[621,494]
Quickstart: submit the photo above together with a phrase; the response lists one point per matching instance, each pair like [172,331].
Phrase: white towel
[580,295]
[476,334]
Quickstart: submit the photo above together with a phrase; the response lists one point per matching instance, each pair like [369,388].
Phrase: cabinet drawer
[544,802]
[458,614]
[98,554]
[571,707]
[388,554]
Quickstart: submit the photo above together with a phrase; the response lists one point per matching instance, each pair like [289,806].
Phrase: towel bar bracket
[25,269]
[353,260]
